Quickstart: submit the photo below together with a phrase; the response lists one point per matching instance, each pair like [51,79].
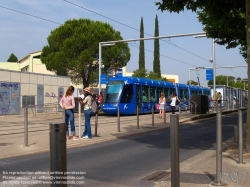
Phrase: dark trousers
[173,109]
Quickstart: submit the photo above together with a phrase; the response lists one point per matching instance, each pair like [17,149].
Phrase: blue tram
[128,92]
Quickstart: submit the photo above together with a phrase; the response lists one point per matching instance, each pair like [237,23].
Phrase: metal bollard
[153,112]
[96,123]
[63,115]
[137,111]
[244,130]
[79,118]
[174,150]
[240,124]
[165,114]
[236,133]
[26,126]
[217,181]
[179,111]
[58,156]
[118,118]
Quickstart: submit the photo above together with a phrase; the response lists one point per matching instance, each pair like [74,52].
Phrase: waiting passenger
[144,98]
[162,102]
[174,98]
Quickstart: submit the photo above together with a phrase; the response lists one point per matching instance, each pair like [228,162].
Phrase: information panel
[10,98]
[40,98]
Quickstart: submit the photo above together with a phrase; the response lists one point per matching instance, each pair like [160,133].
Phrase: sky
[26,24]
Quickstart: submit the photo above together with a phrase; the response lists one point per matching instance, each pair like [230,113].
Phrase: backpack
[94,109]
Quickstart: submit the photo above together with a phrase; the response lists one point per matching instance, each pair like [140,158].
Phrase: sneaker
[84,137]
[75,138]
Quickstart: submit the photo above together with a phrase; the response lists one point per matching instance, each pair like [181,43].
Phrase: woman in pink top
[68,103]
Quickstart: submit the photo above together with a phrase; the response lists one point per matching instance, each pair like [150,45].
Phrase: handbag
[177,102]
[158,106]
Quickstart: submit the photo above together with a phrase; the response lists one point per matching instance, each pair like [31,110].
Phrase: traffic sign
[103,78]
[209,74]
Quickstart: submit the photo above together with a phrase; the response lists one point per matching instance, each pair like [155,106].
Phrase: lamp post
[100,60]
[214,68]
[212,60]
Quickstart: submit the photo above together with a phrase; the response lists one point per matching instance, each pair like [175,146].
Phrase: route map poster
[10,98]
[40,98]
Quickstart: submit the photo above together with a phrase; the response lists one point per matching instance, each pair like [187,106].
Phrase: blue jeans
[69,117]
[87,131]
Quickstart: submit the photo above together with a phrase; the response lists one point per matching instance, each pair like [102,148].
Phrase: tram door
[145,99]
[153,96]
[138,96]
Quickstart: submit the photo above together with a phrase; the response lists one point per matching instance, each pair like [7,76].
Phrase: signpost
[209,74]
[103,78]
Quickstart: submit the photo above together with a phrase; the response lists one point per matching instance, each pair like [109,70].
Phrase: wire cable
[131,28]
[164,56]
[31,15]
[114,21]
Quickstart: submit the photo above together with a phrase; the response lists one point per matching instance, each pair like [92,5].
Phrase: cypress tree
[156,63]
[12,58]
[142,50]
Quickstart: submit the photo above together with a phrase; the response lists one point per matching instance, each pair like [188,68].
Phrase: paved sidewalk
[197,171]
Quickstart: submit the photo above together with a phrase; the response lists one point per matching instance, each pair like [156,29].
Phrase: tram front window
[113,91]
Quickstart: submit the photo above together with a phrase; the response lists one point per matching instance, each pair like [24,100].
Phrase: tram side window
[172,90]
[183,95]
[167,95]
[127,93]
[145,93]
[199,93]
[152,94]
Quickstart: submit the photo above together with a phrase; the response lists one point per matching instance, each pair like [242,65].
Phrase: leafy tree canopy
[192,82]
[12,58]
[73,48]
[141,73]
[223,20]
[154,75]
[223,80]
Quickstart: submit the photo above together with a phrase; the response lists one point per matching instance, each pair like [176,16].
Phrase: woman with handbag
[162,102]
[174,101]
[67,103]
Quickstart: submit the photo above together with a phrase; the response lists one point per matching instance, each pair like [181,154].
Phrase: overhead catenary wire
[61,24]
[137,46]
[132,28]
[173,44]
[44,19]
[30,15]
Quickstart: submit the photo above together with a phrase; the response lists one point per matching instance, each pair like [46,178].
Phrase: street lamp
[100,60]
[212,60]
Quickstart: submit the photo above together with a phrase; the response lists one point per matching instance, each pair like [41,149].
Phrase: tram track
[40,126]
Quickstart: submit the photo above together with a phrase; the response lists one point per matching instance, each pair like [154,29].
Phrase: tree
[222,80]
[12,58]
[238,79]
[228,22]
[142,50]
[73,47]
[156,63]
[192,82]
[221,19]
[141,73]
[248,71]
[153,75]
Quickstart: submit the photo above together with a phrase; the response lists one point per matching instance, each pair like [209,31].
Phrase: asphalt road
[125,162]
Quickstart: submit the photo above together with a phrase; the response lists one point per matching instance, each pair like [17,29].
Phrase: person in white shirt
[162,102]
[174,98]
